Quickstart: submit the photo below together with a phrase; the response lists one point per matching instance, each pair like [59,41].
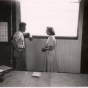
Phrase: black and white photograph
[43,43]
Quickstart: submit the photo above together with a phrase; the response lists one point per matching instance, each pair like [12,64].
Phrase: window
[62,15]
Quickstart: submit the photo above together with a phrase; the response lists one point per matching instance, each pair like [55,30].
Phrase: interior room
[68,19]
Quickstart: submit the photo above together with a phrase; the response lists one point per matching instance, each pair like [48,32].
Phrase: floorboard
[47,79]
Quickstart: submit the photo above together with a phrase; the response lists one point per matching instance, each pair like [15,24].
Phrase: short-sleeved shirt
[19,39]
[51,41]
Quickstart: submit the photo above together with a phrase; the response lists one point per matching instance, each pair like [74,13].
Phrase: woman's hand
[43,49]
[47,48]
[51,47]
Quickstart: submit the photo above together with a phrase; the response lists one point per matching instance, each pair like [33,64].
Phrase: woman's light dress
[50,62]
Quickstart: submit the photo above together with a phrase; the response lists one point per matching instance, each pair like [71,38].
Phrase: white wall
[68,52]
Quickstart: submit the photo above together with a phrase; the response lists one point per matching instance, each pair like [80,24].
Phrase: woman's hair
[51,30]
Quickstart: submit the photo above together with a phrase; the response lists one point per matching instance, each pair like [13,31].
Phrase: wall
[15,24]
[68,52]
[18,14]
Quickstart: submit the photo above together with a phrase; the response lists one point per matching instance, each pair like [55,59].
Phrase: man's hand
[30,38]
[20,50]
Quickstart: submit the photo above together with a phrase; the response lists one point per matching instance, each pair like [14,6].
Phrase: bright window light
[39,14]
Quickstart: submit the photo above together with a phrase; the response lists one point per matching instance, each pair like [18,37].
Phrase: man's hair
[22,24]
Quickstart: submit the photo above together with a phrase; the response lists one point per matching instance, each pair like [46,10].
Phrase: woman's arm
[47,48]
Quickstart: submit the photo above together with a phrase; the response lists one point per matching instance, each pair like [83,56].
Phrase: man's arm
[27,35]
[16,45]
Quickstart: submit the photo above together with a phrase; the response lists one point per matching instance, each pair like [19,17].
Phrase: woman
[50,64]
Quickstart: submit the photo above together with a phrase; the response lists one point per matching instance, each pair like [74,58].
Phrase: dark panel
[5,16]
[84,60]
[13,30]
[6,9]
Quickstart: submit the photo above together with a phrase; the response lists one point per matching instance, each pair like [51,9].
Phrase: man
[18,42]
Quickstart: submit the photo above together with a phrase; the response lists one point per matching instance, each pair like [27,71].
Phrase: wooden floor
[24,79]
